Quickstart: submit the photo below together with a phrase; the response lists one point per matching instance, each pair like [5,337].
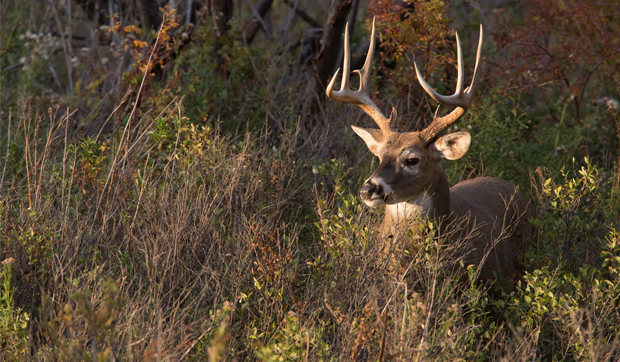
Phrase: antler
[360,97]
[460,100]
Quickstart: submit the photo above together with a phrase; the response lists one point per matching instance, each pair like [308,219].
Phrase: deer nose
[371,191]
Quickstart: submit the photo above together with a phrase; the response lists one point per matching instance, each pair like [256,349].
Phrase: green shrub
[14,322]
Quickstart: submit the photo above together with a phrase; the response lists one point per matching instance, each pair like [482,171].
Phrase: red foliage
[414,31]
[570,46]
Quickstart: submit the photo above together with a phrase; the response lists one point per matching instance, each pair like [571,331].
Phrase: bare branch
[253,23]
[303,15]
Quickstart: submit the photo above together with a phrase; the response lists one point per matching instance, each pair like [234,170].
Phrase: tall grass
[145,225]
[180,242]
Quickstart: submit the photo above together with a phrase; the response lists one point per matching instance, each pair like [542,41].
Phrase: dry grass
[194,244]
[157,238]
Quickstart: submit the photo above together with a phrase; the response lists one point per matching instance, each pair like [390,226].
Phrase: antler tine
[461,100]
[459,68]
[474,82]
[346,62]
[364,73]
[360,97]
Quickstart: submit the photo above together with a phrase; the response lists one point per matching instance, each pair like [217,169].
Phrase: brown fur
[499,219]
[487,215]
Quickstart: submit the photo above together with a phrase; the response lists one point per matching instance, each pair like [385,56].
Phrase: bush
[187,211]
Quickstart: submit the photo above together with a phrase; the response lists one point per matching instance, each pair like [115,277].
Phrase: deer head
[409,161]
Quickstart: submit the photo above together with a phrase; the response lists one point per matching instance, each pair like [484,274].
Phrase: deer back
[498,215]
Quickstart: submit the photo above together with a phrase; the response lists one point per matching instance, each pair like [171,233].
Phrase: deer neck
[431,205]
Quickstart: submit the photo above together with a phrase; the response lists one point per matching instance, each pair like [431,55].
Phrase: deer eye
[412,161]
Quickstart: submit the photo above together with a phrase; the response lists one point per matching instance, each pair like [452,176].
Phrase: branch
[303,15]
[253,22]
[14,66]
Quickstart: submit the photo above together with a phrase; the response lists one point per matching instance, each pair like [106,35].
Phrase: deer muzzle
[373,193]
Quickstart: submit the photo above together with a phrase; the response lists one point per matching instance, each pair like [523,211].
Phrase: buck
[411,183]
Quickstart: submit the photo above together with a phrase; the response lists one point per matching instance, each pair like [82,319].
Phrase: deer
[413,186]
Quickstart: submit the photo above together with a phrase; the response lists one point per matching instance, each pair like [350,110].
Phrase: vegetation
[168,194]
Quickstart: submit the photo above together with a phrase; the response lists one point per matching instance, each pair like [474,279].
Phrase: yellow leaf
[132,28]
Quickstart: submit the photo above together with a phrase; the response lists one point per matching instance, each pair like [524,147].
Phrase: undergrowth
[181,208]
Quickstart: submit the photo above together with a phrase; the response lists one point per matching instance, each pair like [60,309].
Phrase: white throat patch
[421,206]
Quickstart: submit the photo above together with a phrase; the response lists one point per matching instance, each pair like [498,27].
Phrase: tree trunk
[253,23]
[221,13]
[328,54]
[149,14]
[331,43]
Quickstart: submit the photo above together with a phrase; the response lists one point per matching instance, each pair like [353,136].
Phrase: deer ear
[372,137]
[453,145]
